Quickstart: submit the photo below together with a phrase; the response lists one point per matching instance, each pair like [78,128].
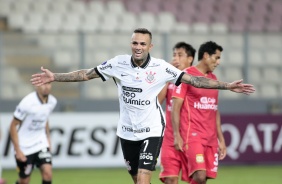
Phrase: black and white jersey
[34,115]
[141,115]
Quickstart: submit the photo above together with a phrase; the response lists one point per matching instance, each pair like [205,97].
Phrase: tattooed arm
[202,82]
[75,76]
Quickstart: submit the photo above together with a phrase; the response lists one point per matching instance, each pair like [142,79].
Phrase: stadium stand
[70,34]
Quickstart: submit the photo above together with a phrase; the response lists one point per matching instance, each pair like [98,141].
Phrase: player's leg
[170,164]
[211,162]
[171,180]
[149,153]
[130,151]
[25,169]
[44,163]
[196,162]
[199,177]
[144,176]
[211,157]
[46,173]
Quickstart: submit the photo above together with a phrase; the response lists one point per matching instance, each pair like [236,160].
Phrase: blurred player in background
[183,57]
[196,120]
[139,79]
[30,134]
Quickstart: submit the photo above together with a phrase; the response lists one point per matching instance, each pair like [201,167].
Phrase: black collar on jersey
[144,65]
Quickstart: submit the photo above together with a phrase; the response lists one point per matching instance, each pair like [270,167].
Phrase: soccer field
[227,175]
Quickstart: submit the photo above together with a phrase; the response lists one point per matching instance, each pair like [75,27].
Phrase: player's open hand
[178,143]
[42,78]
[239,87]
[221,150]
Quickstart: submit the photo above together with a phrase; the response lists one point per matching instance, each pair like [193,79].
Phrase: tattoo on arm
[202,82]
[70,77]
[90,74]
[76,76]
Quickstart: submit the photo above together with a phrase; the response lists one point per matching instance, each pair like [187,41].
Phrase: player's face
[45,89]
[213,61]
[140,46]
[180,59]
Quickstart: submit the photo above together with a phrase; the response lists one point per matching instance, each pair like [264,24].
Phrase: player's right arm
[162,94]
[15,139]
[175,119]
[74,76]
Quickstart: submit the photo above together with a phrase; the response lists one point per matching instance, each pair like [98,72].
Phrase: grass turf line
[227,174]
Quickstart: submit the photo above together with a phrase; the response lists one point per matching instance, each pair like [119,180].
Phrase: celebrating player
[139,78]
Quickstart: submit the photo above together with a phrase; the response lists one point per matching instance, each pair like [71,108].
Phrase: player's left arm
[220,137]
[203,82]
[48,134]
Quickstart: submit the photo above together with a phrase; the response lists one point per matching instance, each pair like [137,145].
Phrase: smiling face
[212,61]
[140,47]
[180,59]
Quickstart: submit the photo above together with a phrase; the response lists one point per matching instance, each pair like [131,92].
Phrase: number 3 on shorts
[215,159]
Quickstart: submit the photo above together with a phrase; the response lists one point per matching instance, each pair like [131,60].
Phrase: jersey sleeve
[180,91]
[21,110]
[172,74]
[107,69]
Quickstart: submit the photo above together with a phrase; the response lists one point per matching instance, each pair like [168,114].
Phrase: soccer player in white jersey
[30,134]
[139,78]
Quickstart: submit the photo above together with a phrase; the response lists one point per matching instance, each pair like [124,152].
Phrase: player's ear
[151,46]
[206,55]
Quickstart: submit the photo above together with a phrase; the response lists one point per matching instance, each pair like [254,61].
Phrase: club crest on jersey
[150,77]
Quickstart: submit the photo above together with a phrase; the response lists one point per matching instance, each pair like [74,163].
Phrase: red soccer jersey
[168,136]
[198,112]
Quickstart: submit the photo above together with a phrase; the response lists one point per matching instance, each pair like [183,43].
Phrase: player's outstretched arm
[203,82]
[76,76]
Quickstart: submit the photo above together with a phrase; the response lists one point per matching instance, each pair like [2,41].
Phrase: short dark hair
[189,49]
[210,47]
[143,31]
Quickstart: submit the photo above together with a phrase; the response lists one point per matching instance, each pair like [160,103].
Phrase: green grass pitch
[271,174]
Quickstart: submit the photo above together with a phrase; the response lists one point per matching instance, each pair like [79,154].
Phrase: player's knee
[200,177]
[47,176]
[171,180]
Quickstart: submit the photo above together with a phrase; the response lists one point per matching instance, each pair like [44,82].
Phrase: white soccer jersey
[141,115]
[34,116]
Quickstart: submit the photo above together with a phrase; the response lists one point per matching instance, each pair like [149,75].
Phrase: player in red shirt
[183,56]
[196,120]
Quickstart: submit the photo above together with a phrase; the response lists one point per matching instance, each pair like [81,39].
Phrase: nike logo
[146,163]
[124,75]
